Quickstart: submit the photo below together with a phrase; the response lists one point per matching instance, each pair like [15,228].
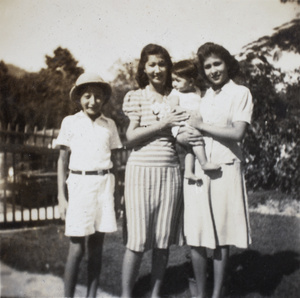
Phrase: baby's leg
[201,156]
[189,167]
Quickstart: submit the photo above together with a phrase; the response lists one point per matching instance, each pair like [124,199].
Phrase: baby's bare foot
[191,176]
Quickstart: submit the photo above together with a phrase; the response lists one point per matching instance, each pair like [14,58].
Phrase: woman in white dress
[216,212]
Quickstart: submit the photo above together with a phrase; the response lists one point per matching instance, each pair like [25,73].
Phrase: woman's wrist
[162,124]
[202,126]
[198,126]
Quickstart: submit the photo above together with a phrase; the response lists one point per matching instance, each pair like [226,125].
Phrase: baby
[186,96]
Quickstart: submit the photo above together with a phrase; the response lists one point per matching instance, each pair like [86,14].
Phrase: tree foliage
[39,99]
[272,146]
[286,1]
[123,82]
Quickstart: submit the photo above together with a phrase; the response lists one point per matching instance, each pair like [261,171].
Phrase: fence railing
[28,179]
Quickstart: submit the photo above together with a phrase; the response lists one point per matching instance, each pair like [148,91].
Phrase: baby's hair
[185,69]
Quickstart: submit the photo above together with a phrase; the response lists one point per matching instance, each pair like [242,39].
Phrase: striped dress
[153,185]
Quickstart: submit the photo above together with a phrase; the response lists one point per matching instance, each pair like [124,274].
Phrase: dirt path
[22,284]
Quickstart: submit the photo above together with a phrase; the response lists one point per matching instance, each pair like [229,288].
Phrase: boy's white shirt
[90,141]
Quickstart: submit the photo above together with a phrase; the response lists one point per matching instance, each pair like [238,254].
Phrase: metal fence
[28,179]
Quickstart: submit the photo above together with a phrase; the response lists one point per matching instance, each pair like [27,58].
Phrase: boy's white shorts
[91,205]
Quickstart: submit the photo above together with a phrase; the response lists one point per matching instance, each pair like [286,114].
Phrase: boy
[88,136]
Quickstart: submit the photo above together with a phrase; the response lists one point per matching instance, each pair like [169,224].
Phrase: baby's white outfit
[189,101]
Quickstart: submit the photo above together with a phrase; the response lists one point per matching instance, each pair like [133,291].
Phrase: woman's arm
[136,133]
[189,136]
[236,132]
[62,167]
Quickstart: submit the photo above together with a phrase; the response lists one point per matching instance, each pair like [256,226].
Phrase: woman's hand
[175,118]
[188,135]
[195,120]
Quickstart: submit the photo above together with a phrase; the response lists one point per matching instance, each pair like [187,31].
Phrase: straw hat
[90,78]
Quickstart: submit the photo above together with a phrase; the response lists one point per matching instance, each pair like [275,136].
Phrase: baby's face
[182,84]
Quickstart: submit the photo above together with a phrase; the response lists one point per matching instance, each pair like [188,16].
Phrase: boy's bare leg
[201,156]
[95,245]
[76,252]
[131,265]
[159,264]
[189,167]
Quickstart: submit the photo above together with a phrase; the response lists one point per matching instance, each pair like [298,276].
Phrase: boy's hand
[62,207]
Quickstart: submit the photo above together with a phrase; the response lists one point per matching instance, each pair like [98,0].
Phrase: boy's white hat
[89,78]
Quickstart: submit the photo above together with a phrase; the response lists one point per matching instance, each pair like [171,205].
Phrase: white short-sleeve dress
[216,213]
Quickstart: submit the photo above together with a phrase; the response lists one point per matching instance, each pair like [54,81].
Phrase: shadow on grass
[175,281]
[248,272]
[251,271]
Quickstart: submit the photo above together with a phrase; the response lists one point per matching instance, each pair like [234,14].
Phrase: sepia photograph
[150,148]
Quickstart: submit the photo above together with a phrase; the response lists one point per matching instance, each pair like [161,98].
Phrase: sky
[99,32]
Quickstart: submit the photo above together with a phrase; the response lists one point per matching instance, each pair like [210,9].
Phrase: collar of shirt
[101,118]
[226,89]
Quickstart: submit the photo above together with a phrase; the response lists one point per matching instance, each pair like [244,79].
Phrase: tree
[123,82]
[10,109]
[285,1]
[272,146]
[3,93]
[44,96]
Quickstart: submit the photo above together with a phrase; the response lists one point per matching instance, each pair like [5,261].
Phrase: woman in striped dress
[153,187]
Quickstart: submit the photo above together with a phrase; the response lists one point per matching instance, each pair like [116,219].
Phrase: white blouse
[221,108]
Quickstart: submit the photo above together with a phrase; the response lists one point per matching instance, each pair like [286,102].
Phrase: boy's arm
[62,167]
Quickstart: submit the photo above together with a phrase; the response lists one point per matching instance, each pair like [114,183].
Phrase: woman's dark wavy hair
[153,49]
[209,49]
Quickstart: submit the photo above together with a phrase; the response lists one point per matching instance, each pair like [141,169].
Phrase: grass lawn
[269,268]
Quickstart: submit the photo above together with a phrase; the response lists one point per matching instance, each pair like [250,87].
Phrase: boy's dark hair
[185,69]
[153,49]
[209,49]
